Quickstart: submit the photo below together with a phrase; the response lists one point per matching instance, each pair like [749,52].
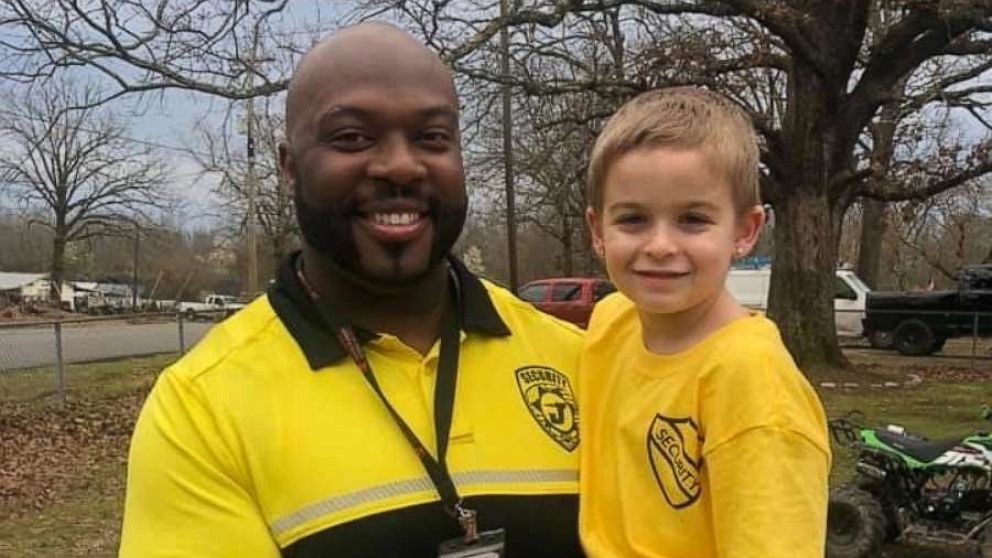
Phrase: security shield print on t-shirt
[673,447]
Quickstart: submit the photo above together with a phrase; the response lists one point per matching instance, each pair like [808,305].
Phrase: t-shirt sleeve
[767,457]
[769,495]
[184,497]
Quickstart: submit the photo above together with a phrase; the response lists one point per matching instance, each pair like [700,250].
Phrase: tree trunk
[873,215]
[801,297]
[873,211]
[278,251]
[58,268]
[567,267]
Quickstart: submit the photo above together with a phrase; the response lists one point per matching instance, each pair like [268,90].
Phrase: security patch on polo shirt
[548,395]
[673,451]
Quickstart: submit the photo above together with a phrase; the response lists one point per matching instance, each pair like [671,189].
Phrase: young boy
[700,437]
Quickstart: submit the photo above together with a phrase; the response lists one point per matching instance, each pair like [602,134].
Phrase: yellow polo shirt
[719,451]
[266,440]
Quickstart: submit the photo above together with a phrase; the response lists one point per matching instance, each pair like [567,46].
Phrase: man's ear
[595,232]
[749,226]
[287,167]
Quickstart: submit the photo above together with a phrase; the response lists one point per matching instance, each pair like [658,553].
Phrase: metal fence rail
[49,345]
[45,345]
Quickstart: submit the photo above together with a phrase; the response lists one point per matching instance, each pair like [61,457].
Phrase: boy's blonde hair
[681,117]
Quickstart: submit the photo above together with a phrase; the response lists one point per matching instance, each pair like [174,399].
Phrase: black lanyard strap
[444,399]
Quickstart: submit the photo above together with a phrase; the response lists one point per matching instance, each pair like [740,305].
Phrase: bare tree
[137,46]
[225,155]
[812,75]
[76,166]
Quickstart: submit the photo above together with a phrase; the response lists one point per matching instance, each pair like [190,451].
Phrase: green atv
[935,493]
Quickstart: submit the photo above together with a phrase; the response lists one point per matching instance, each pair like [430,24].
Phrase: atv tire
[913,337]
[856,524]
[985,542]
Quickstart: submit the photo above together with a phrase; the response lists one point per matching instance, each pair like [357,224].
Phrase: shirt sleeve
[767,457]
[184,497]
[769,495]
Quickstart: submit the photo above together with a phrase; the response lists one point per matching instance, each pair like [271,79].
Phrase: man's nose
[398,161]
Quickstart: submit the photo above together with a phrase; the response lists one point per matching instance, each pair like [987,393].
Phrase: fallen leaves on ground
[46,453]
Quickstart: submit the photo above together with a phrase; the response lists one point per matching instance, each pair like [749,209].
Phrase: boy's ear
[749,230]
[595,231]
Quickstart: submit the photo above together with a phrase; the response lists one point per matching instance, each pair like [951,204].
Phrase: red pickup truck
[568,298]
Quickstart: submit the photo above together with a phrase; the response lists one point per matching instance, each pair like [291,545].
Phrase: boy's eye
[629,219]
[696,220]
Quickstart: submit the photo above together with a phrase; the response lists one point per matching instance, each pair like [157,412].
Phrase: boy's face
[668,229]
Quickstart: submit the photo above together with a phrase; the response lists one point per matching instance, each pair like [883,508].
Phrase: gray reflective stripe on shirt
[340,503]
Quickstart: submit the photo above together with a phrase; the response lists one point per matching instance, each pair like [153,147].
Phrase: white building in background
[20,288]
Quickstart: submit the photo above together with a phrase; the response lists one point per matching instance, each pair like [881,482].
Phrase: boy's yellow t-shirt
[720,450]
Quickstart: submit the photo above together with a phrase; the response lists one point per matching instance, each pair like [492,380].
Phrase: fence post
[182,337]
[974,341]
[59,364]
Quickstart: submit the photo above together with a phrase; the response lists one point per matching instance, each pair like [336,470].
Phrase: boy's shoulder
[752,352]
[612,316]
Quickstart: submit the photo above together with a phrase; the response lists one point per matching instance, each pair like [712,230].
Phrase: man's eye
[435,138]
[350,141]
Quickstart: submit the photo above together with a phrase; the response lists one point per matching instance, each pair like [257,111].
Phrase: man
[309,423]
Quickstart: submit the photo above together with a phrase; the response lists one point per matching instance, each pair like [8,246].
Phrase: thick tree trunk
[808,220]
[801,297]
[872,231]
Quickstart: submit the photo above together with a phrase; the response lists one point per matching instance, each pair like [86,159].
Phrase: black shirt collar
[320,345]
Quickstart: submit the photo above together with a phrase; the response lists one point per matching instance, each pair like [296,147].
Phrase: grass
[73,506]
[95,380]
[83,523]
[84,519]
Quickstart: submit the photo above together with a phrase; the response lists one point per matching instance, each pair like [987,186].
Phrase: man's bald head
[352,54]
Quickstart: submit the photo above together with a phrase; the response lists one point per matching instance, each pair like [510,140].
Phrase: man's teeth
[395,218]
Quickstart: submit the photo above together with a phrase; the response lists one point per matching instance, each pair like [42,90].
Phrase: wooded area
[873,116]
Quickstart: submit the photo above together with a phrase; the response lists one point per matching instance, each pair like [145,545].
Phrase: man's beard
[329,232]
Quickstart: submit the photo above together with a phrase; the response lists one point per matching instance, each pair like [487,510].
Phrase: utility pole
[250,186]
[134,272]
[511,218]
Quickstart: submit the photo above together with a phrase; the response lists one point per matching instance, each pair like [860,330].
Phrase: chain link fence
[47,347]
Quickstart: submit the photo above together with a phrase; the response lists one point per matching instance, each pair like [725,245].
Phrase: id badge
[489,545]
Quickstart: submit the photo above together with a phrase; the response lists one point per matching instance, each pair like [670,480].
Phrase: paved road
[30,347]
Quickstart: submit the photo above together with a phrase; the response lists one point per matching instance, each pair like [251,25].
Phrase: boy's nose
[662,243]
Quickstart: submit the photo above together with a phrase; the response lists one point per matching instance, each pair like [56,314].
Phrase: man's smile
[395,227]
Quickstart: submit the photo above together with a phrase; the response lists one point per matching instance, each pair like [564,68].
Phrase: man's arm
[184,494]
[769,495]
